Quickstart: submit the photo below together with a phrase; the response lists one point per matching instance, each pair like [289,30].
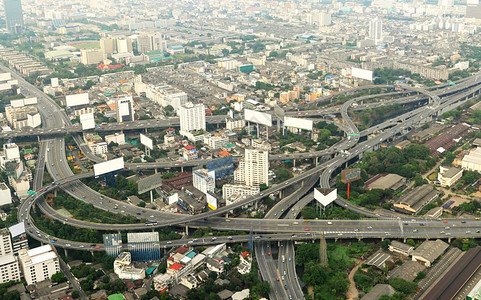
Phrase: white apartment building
[5,242]
[124,109]
[232,124]
[9,268]
[118,138]
[204,180]
[192,117]
[166,95]
[98,148]
[253,169]
[375,31]
[230,190]
[38,264]
[216,142]
[125,270]
[5,195]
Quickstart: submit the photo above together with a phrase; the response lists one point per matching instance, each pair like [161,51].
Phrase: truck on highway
[283,259]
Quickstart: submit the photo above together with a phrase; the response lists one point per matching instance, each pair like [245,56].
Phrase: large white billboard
[5,76]
[34,120]
[257,117]
[87,121]
[211,201]
[77,99]
[109,166]
[17,103]
[361,73]
[298,123]
[147,142]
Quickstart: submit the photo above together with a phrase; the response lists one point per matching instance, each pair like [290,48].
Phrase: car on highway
[445,221]
[169,242]
[307,229]
[268,253]
[68,245]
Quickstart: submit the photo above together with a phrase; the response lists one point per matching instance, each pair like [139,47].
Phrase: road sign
[353,134]
[31,192]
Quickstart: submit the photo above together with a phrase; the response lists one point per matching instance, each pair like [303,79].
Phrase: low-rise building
[379,290]
[385,181]
[449,176]
[415,200]
[9,270]
[401,248]
[472,161]
[429,251]
[125,270]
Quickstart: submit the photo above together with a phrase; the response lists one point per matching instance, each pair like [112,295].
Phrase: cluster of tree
[376,115]
[315,75]
[329,282]
[59,277]
[282,174]
[471,207]
[5,295]
[475,117]
[86,211]
[97,257]
[456,75]
[209,289]
[260,85]
[389,76]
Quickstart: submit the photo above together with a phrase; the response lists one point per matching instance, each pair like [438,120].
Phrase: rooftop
[430,250]
[377,291]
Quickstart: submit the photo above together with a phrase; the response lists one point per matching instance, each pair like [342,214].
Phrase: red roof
[181,250]
[102,66]
[244,254]
[189,147]
[224,153]
[176,266]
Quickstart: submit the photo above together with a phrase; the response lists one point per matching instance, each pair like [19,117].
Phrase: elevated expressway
[185,220]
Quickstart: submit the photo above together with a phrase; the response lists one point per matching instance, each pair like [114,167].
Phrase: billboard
[5,76]
[350,175]
[149,183]
[298,123]
[87,121]
[147,142]
[361,73]
[77,99]
[30,101]
[17,103]
[173,198]
[34,120]
[109,166]
[211,201]
[257,117]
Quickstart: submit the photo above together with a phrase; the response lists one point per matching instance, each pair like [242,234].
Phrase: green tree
[410,242]
[309,212]
[59,277]
[385,244]
[403,286]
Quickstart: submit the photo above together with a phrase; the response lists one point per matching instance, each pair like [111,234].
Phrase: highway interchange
[52,149]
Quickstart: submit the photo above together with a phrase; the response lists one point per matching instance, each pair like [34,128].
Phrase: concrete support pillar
[449,240]
[151,196]
[155,171]
[145,130]
[294,162]
[55,192]
[359,238]
[65,251]
[382,239]
[335,240]
[182,169]
[280,194]
[317,161]
[226,215]
[404,240]
[186,229]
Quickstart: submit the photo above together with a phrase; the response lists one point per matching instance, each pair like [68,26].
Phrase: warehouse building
[429,251]
[414,201]
[386,181]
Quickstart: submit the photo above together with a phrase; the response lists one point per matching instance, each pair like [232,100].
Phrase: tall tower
[192,117]
[323,250]
[375,30]
[254,168]
[13,15]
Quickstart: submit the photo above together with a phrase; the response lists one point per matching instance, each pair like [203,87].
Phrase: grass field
[87,45]
[64,212]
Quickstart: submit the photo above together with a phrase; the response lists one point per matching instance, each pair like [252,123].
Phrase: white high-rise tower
[375,30]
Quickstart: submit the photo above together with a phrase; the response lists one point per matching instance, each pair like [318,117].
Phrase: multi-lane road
[54,119]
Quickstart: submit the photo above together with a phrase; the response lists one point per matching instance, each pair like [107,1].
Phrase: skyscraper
[192,117]
[253,169]
[375,31]
[125,109]
[13,15]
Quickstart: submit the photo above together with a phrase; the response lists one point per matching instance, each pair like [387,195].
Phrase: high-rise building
[151,42]
[13,15]
[107,45]
[375,30]
[124,45]
[39,263]
[5,242]
[9,268]
[253,169]
[91,56]
[204,180]
[19,237]
[324,19]
[125,109]
[192,117]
